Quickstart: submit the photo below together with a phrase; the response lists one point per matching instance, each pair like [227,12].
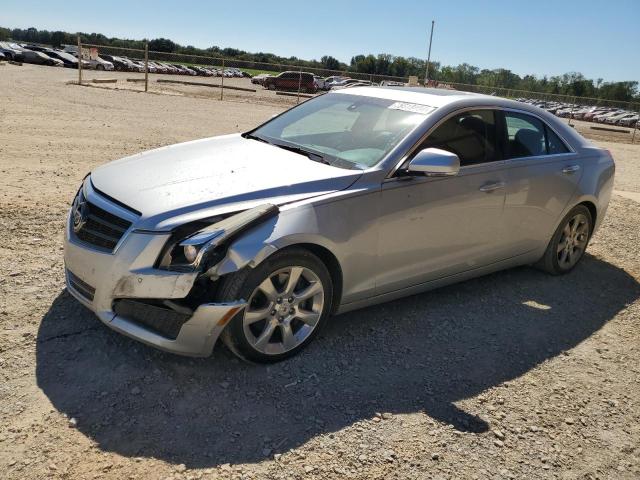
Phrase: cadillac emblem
[79,213]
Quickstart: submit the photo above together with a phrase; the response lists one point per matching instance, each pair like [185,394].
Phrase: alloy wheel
[283,310]
[573,241]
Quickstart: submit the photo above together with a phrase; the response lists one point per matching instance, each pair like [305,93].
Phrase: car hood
[179,183]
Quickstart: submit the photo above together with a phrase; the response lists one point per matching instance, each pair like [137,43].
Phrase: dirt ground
[514,375]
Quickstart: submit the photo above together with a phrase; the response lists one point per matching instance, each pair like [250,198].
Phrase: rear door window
[525,136]
[528,136]
[554,144]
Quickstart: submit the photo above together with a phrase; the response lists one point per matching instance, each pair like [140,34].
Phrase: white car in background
[333,80]
[100,64]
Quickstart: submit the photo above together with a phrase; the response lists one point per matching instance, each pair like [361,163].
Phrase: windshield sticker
[412,107]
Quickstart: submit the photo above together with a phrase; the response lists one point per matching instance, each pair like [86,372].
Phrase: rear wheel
[99,67]
[289,298]
[569,242]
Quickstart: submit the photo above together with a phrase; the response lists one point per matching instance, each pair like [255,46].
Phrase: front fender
[345,226]
[289,228]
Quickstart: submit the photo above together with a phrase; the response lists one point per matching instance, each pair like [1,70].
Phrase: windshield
[351,131]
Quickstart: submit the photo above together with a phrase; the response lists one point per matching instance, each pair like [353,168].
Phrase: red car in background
[291,81]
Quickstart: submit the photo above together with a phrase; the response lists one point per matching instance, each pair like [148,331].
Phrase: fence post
[79,61]
[299,85]
[146,66]
[635,128]
[575,99]
[222,81]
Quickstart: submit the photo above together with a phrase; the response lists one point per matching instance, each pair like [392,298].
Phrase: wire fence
[546,97]
[220,77]
[223,73]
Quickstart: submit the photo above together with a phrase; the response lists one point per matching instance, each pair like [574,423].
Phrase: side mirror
[434,162]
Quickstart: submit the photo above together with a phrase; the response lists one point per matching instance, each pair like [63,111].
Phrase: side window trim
[546,128]
[499,112]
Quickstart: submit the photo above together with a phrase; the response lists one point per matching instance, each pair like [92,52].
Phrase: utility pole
[426,74]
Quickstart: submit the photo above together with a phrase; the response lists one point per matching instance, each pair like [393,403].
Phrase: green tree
[330,63]
[162,45]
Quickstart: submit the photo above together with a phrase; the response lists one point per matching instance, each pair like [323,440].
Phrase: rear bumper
[97,279]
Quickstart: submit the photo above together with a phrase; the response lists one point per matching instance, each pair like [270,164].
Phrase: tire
[99,67]
[272,86]
[271,327]
[569,242]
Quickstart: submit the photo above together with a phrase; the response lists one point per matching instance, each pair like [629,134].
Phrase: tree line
[572,83]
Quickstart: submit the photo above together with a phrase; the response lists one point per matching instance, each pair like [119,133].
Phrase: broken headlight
[194,247]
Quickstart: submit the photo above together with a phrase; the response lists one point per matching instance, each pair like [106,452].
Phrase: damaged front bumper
[99,279]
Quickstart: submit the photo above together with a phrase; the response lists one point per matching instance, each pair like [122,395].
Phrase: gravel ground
[514,375]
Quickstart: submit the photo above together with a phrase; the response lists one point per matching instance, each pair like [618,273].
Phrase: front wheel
[569,242]
[289,297]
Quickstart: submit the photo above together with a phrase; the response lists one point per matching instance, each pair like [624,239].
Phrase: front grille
[160,320]
[102,230]
[83,288]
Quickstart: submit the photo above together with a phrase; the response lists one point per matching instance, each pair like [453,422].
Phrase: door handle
[571,169]
[491,187]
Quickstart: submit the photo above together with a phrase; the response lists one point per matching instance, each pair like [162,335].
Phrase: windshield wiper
[316,157]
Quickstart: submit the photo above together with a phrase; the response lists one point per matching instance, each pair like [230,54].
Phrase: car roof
[454,99]
[433,97]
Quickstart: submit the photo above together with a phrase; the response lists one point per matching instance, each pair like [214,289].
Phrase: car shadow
[421,353]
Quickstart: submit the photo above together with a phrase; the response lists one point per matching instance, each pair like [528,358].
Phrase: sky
[598,38]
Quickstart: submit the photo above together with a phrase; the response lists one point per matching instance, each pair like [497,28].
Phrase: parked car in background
[351,82]
[291,81]
[171,69]
[391,83]
[350,199]
[188,70]
[319,81]
[39,58]
[160,68]
[331,81]
[2,57]
[598,111]
[68,60]
[630,121]
[100,64]
[120,64]
[202,71]
[236,72]
[603,117]
[343,83]
[259,79]
[10,52]
[140,65]
[615,119]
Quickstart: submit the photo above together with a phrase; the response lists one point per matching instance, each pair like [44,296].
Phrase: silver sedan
[347,200]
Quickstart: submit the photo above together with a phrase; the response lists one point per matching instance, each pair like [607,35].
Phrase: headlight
[193,247]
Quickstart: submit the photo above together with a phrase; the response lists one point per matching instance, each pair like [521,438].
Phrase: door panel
[541,180]
[539,189]
[433,227]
